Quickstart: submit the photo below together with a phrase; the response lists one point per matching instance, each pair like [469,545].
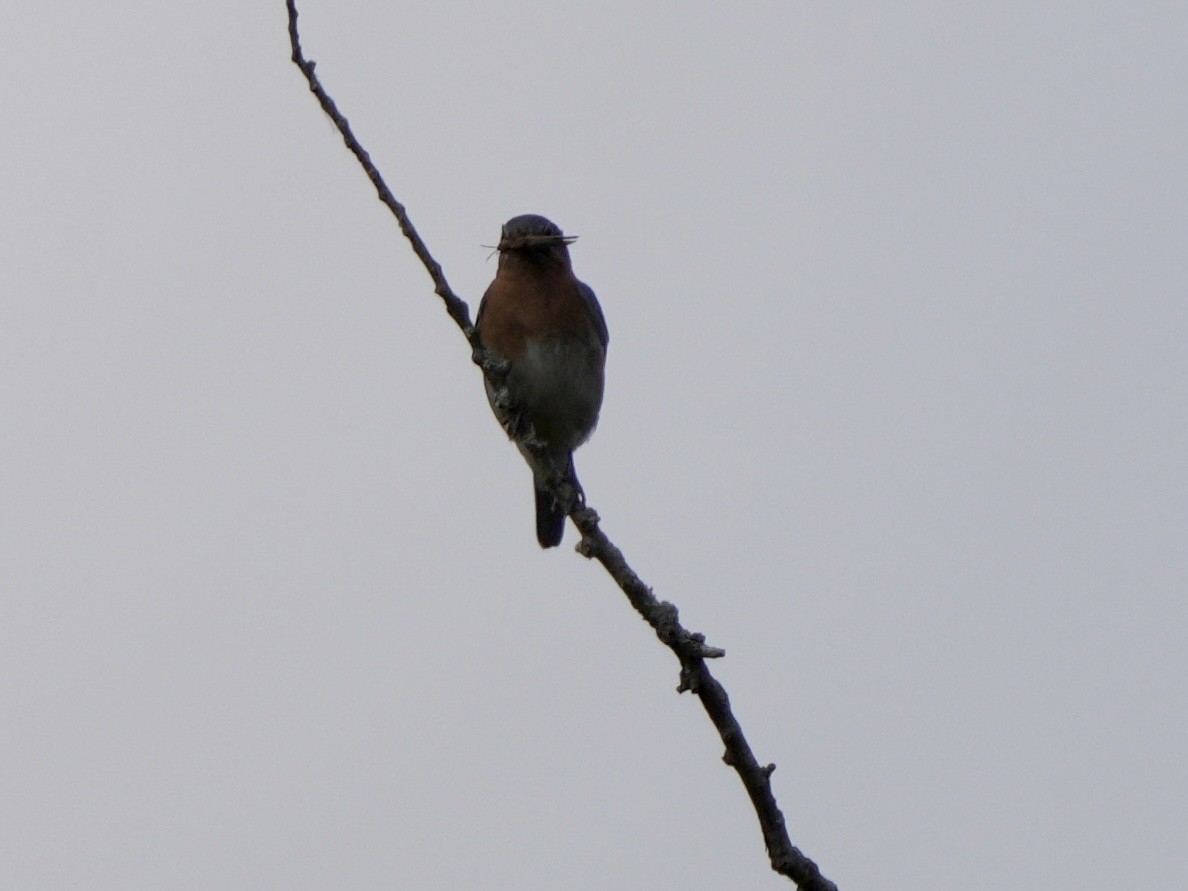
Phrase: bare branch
[690,647]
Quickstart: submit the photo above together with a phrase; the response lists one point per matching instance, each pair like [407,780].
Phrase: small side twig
[690,647]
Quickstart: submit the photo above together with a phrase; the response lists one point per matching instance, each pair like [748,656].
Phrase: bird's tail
[550,519]
[550,515]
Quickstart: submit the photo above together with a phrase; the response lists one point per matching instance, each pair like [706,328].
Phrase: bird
[548,327]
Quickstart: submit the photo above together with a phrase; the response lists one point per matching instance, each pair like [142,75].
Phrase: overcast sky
[896,413]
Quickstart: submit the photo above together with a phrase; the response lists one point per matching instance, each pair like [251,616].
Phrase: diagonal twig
[689,647]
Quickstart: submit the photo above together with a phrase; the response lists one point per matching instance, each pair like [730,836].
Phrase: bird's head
[534,238]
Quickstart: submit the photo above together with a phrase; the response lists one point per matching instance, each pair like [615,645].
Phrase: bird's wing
[595,310]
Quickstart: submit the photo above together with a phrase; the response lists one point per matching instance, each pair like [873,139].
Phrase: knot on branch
[586,519]
[665,619]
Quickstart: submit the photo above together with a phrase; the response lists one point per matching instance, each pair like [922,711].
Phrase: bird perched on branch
[549,329]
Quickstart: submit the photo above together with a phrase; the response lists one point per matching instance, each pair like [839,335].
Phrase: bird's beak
[523,241]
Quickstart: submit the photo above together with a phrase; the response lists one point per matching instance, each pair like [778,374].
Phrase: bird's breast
[559,383]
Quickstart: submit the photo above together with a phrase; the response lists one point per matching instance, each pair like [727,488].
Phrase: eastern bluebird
[550,330]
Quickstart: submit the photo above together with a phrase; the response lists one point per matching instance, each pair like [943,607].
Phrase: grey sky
[897,413]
